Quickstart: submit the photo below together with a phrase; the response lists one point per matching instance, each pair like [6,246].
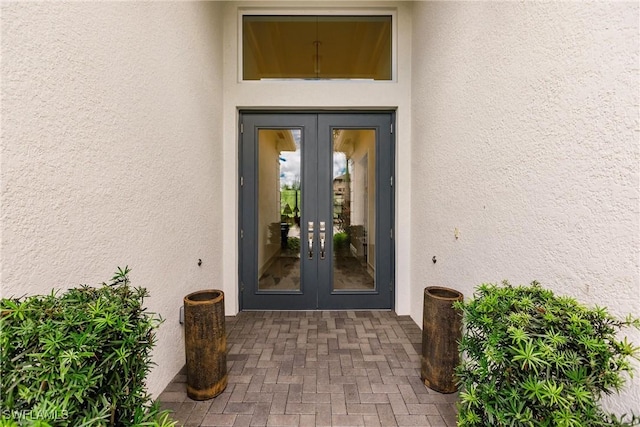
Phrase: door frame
[385,155]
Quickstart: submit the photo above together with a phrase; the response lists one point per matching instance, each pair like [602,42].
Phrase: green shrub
[531,358]
[79,358]
[340,241]
[293,244]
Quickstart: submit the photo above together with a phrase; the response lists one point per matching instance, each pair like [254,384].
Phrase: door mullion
[325,208]
[309,217]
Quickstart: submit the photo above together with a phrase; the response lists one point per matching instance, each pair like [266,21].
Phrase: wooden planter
[205,344]
[441,331]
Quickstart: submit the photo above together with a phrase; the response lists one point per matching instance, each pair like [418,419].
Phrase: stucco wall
[111,152]
[525,125]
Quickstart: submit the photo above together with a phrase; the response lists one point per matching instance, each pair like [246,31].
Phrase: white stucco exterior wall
[111,143]
[517,124]
[525,139]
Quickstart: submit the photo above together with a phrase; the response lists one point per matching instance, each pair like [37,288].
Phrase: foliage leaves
[78,359]
[531,358]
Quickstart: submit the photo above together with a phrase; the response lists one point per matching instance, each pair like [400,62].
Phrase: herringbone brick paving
[318,368]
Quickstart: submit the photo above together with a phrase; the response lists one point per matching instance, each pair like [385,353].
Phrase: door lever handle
[310,240]
[322,239]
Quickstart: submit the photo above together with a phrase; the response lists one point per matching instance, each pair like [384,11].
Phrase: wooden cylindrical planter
[441,331]
[205,344]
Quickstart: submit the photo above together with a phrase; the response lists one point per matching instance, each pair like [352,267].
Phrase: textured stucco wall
[525,124]
[111,151]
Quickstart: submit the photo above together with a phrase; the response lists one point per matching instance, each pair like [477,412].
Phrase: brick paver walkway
[318,368]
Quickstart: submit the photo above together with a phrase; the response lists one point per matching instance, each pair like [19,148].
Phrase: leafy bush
[341,241]
[531,358]
[293,244]
[78,359]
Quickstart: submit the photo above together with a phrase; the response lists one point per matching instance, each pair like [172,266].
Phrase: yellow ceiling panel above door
[316,47]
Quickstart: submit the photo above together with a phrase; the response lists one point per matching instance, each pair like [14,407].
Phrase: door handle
[322,238]
[322,235]
[310,240]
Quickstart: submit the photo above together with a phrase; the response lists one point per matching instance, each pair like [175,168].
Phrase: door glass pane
[316,47]
[279,209]
[354,261]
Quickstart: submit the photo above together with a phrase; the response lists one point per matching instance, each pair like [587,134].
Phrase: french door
[316,211]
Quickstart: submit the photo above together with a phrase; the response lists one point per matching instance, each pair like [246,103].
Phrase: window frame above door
[378,11]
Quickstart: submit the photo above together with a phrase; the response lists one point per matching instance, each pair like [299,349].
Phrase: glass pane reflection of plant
[279,208]
[353,193]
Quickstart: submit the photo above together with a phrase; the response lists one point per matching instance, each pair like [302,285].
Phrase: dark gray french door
[316,211]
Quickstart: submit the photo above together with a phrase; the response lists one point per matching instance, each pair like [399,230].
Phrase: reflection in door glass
[279,209]
[354,211]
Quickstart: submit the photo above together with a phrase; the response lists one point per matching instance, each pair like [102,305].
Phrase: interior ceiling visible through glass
[316,47]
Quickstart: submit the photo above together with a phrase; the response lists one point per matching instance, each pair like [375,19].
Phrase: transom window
[316,47]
